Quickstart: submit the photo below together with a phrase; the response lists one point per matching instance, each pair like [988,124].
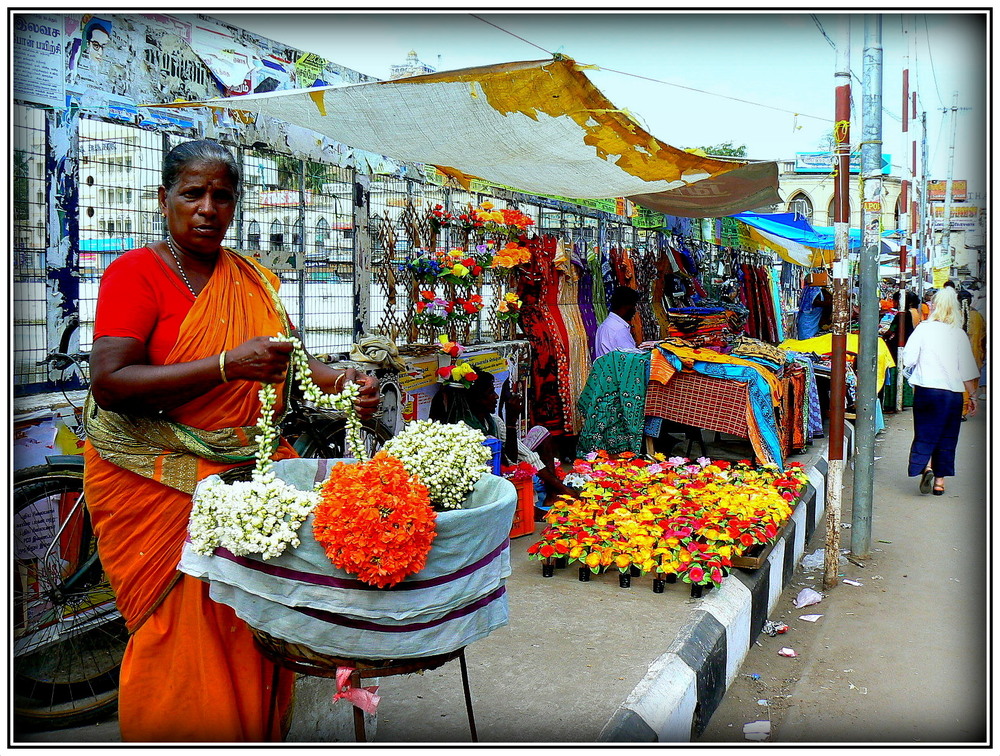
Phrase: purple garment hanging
[585,296]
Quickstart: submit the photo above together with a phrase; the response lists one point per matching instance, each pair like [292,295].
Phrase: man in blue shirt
[615,333]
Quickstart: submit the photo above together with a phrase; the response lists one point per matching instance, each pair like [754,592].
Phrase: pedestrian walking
[943,368]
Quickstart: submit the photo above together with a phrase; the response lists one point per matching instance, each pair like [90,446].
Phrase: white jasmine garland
[263,515]
[448,458]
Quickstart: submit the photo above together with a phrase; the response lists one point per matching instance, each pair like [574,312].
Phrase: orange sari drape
[191,671]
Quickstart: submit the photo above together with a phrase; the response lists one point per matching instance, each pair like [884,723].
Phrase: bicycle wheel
[327,438]
[68,636]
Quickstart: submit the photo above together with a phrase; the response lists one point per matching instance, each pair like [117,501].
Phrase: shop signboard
[963,217]
[39,63]
[823,162]
[937,191]
[283,198]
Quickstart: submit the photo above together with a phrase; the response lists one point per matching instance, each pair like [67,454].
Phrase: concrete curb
[684,686]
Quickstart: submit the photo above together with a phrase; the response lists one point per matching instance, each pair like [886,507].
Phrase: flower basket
[300,599]
[757,556]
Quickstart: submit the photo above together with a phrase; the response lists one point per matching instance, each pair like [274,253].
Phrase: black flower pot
[634,571]
[584,574]
[548,569]
[696,590]
[560,562]
[672,578]
[624,580]
[658,585]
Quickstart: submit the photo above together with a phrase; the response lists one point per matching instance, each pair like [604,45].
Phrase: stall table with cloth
[731,396]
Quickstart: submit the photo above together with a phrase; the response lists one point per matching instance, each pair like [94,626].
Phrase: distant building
[412,67]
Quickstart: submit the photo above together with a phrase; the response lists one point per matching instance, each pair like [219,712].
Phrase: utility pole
[946,231]
[838,358]
[904,204]
[926,238]
[866,363]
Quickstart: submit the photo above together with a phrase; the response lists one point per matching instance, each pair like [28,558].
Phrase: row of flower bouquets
[669,518]
[460,269]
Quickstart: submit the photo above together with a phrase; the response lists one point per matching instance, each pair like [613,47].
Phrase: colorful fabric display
[613,403]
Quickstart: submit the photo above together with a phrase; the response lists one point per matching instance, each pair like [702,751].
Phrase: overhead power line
[668,83]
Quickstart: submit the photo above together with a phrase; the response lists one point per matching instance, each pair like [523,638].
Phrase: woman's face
[199,207]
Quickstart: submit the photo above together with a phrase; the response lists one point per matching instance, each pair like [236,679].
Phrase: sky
[764,79]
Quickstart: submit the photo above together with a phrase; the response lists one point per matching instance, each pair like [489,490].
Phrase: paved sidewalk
[904,657]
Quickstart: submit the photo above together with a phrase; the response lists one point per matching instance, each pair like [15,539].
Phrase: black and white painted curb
[683,687]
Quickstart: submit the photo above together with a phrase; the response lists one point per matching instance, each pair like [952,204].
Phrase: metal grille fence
[296,216]
[30,243]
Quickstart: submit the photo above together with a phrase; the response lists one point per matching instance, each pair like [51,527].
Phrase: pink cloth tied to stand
[364,698]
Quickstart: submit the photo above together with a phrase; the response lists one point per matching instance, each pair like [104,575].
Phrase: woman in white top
[943,367]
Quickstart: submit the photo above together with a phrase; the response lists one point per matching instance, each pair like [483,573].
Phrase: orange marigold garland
[375,520]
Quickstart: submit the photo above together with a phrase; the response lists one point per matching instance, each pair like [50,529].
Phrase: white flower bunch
[448,458]
[259,516]
[263,515]
[343,401]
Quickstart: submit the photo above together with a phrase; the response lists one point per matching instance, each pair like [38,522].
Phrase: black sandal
[938,491]
[927,482]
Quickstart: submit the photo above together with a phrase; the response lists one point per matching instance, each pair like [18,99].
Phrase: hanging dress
[549,395]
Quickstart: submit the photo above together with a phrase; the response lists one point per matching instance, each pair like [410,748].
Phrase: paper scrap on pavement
[762,702]
[852,582]
[758,730]
[785,651]
[810,617]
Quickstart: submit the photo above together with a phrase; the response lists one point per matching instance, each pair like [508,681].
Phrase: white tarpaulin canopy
[541,127]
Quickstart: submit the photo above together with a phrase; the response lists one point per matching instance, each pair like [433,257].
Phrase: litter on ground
[807,597]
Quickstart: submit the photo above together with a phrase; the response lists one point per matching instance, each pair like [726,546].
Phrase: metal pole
[904,204]
[925,237]
[838,358]
[362,254]
[946,231]
[300,251]
[866,364]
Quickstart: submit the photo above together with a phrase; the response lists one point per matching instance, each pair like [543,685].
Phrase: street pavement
[901,658]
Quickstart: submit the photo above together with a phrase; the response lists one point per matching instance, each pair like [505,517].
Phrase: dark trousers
[937,418]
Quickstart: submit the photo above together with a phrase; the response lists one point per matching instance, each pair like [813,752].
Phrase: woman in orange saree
[181,346]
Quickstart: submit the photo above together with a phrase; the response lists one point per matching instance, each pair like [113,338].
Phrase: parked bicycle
[69,637]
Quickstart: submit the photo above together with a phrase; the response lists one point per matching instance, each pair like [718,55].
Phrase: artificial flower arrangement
[439,217]
[668,517]
[460,374]
[509,307]
[509,221]
[510,256]
[433,310]
[466,308]
[459,268]
[424,266]
[519,472]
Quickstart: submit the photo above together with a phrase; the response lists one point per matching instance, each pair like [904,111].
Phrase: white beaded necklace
[177,259]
